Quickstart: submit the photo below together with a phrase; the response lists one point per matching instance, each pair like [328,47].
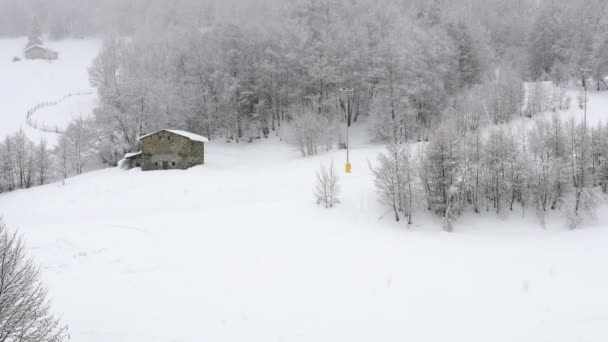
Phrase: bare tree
[23,148]
[587,202]
[7,166]
[43,162]
[538,98]
[25,314]
[312,130]
[327,188]
[395,180]
[80,141]
[62,156]
[444,167]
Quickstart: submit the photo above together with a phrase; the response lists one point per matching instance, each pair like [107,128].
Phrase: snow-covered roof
[37,46]
[191,136]
[131,155]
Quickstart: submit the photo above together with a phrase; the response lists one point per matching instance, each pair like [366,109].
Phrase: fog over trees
[238,69]
[407,63]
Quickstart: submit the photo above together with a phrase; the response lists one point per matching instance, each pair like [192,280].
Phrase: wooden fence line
[42,126]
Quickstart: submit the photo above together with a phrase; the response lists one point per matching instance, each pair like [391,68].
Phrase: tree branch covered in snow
[394,180]
[25,312]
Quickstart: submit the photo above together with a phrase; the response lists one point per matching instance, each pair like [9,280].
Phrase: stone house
[40,52]
[168,149]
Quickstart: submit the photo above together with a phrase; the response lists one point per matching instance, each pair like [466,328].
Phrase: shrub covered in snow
[326,188]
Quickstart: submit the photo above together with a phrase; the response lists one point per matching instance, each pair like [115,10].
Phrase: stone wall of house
[135,161]
[166,150]
[198,153]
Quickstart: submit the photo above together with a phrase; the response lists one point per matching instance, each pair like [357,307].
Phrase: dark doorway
[165,165]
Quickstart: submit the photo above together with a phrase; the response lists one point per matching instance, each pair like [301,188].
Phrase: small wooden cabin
[39,52]
[169,149]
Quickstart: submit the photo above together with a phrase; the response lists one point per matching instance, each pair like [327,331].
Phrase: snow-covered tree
[469,65]
[547,39]
[23,158]
[499,161]
[580,169]
[79,138]
[310,131]
[327,188]
[42,163]
[548,168]
[395,180]
[7,165]
[442,168]
[25,311]
[62,156]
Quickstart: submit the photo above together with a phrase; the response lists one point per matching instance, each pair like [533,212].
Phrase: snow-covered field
[237,250]
[597,108]
[26,83]
[78,105]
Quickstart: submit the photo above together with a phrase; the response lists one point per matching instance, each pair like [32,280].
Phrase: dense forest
[403,63]
[240,71]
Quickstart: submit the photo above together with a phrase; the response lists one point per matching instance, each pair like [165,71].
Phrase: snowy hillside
[237,250]
[27,83]
[476,132]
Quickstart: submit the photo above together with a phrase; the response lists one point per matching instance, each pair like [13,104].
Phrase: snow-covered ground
[237,250]
[597,107]
[78,105]
[26,83]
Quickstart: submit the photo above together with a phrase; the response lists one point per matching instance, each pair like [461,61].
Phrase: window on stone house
[172,163]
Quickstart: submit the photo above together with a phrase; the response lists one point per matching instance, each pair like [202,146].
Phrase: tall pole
[581,182]
[585,72]
[347,130]
[347,108]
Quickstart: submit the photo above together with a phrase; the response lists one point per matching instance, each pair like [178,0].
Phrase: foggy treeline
[25,163]
[554,165]
[241,69]
[85,18]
